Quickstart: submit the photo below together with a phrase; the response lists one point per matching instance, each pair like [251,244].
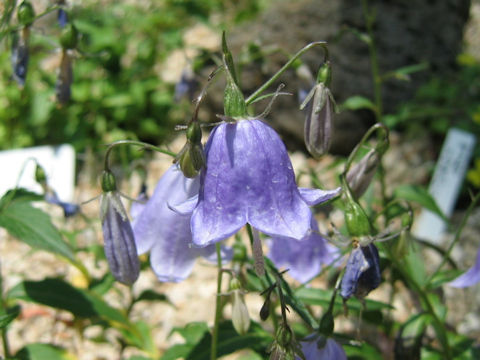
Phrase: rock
[406,33]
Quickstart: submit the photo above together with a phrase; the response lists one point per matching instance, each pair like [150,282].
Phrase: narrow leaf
[419,195]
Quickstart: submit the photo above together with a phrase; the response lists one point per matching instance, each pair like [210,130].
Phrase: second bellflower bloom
[304,258]
[166,233]
[249,178]
[469,278]
[317,347]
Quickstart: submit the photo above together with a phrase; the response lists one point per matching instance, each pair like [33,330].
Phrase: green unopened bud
[325,74]
[194,133]
[239,252]
[327,323]
[69,36]
[40,175]
[233,101]
[265,310]
[240,316]
[191,159]
[109,183]
[356,220]
[284,335]
[25,14]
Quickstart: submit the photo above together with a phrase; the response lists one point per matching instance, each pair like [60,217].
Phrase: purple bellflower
[304,258]
[469,278]
[249,178]
[118,237]
[69,209]
[317,347]
[166,233]
[362,273]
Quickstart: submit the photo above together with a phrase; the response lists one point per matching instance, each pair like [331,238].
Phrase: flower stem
[218,308]
[136,143]
[289,63]
[6,346]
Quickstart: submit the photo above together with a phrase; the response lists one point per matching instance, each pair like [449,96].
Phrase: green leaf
[139,334]
[357,103]
[59,294]
[192,332]
[404,72]
[7,318]
[19,194]
[443,277]
[37,351]
[151,295]
[419,195]
[229,341]
[362,350]
[34,227]
[176,352]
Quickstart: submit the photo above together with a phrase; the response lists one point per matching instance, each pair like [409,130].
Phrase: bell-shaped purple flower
[249,178]
[166,233]
[469,278]
[317,347]
[118,237]
[362,273]
[69,209]
[303,258]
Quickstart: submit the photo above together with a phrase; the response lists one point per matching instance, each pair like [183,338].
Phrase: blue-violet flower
[166,233]
[469,278]
[303,258]
[318,347]
[249,178]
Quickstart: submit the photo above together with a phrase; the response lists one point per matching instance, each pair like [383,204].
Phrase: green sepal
[40,176]
[324,74]
[108,181]
[25,14]
[69,37]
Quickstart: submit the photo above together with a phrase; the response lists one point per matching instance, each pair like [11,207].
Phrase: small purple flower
[69,209]
[118,237]
[249,178]
[166,233]
[62,17]
[316,347]
[362,273]
[469,278]
[303,258]
[19,57]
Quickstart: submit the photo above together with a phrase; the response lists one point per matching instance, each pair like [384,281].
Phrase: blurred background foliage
[117,91]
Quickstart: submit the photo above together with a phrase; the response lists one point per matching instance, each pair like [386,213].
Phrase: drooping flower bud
[319,119]
[20,56]
[284,347]
[25,14]
[119,242]
[192,158]
[360,176]
[240,316]
[356,219]
[64,79]
[362,273]
[40,175]
[265,309]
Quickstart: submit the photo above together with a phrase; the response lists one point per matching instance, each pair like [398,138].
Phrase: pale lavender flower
[118,237]
[303,258]
[469,278]
[166,233]
[317,347]
[249,178]
[362,272]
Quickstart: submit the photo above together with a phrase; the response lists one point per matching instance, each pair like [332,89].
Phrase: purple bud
[65,78]
[62,17]
[362,273]
[69,209]
[19,57]
[318,122]
[119,242]
[360,176]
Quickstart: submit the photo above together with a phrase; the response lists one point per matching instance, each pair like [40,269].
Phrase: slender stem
[446,256]
[289,63]
[136,143]
[6,346]
[218,308]
[377,79]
